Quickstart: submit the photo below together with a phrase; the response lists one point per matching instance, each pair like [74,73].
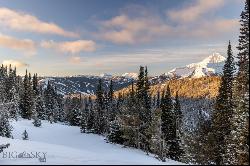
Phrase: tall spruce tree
[26,102]
[177,147]
[100,124]
[168,123]
[91,116]
[222,112]
[5,127]
[238,142]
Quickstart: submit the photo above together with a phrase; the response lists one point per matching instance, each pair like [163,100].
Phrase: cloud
[125,30]
[14,63]
[72,47]
[194,11]
[75,60]
[144,26]
[25,22]
[217,27]
[24,45]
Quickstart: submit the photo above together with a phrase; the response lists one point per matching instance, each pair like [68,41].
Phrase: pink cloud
[194,11]
[71,46]
[124,30]
[26,22]
[24,45]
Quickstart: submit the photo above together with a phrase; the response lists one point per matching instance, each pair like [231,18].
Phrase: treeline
[204,87]
[24,97]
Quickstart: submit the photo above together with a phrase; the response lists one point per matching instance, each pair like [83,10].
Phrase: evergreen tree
[74,112]
[51,103]
[116,133]
[168,122]
[35,85]
[25,135]
[84,119]
[40,107]
[238,142]
[111,109]
[26,98]
[91,116]
[145,114]
[100,124]
[36,121]
[5,127]
[223,110]
[177,147]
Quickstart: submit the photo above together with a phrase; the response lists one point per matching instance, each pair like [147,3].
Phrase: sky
[79,37]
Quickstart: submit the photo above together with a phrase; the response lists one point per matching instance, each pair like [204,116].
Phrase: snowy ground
[62,144]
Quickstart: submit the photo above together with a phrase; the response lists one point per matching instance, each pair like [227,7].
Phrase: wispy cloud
[125,30]
[14,63]
[25,22]
[189,21]
[72,47]
[194,11]
[25,45]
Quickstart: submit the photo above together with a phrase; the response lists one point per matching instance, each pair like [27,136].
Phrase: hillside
[64,144]
[84,84]
[204,87]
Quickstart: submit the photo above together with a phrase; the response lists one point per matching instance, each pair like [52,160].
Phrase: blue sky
[72,37]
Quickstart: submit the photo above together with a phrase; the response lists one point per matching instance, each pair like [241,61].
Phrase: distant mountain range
[212,65]
[85,84]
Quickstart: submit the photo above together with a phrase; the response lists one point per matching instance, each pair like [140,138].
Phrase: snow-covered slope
[130,75]
[66,145]
[212,65]
[85,84]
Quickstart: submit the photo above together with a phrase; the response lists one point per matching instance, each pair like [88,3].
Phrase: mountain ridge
[86,84]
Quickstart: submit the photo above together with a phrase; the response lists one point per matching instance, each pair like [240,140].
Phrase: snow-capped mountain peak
[211,65]
[214,58]
[130,75]
[107,75]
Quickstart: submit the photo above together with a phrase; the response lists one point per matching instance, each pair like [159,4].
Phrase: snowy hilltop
[212,65]
[62,144]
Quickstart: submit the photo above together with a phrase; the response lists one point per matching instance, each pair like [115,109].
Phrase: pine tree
[168,123]
[5,127]
[100,124]
[3,76]
[25,135]
[116,133]
[145,114]
[40,107]
[84,120]
[35,85]
[140,84]
[177,147]
[238,142]
[26,98]
[51,103]
[91,116]
[223,110]
[36,121]
[74,112]
[111,110]
[129,111]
